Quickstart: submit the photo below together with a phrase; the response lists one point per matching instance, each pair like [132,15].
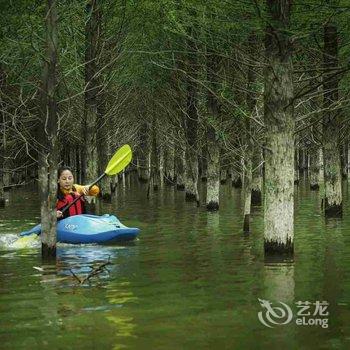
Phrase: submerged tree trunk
[279,122]
[296,168]
[257,178]
[251,100]
[180,165]
[247,190]
[224,173]
[236,177]
[204,162]
[161,166]
[343,160]
[92,34]
[2,154]
[191,181]
[2,194]
[314,169]
[213,146]
[103,148]
[48,155]
[144,158]
[155,159]
[333,201]
[213,172]
[169,163]
[3,143]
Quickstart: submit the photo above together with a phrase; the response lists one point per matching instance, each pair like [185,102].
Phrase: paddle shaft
[81,195]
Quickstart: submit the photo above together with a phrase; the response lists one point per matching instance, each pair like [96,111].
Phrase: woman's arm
[94,190]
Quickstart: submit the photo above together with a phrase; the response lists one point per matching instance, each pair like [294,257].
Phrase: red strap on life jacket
[76,209]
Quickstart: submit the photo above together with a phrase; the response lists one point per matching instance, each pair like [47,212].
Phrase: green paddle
[118,162]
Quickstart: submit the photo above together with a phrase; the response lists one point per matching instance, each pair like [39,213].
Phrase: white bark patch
[279,188]
[332,172]
[213,173]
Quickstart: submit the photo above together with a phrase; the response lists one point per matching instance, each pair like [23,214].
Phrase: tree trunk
[144,159]
[213,146]
[3,148]
[296,168]
[213,172]
[204,163]
[257,179]
[251,100]
[180,164]
[333,201]
[170,163]
[279,122]
[103,148]
[2,156]
[161,166]
[314,169]
[2,194]
[48,157]
[223,167]
[191,180]
[247,190]
[155,159]
[343,160]
[236,177]
[348,160]
[92,34]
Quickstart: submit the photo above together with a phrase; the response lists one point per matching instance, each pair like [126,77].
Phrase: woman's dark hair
[60,170]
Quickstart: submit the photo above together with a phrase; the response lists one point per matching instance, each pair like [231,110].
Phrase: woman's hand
[59,214]
[85,190]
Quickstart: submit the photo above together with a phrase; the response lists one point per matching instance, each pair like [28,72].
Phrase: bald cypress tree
[48,154]
[331,153]
[279,136]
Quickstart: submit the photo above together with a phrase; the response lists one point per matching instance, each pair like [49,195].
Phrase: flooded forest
[221,131]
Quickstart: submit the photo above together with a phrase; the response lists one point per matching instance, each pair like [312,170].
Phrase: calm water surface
[191,281]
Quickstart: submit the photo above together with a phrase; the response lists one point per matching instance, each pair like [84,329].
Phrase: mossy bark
[314,169]
[257,179]
[48,155]
[333,201]
[92,33]
[296,168]
[2,193]
[213,171]
[279,122]
[2,163]
[251,100]
[191,181]
[213,143]
[3,143]
[247,189]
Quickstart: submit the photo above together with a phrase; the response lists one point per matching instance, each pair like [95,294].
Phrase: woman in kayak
[67,191]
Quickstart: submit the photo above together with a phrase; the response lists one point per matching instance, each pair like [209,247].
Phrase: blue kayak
[90,229]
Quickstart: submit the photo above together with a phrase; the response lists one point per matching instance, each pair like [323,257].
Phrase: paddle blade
[119,161]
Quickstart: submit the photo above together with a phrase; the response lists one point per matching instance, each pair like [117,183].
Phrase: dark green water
[191,281]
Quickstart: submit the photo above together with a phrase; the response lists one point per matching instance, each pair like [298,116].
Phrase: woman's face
[66,180]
